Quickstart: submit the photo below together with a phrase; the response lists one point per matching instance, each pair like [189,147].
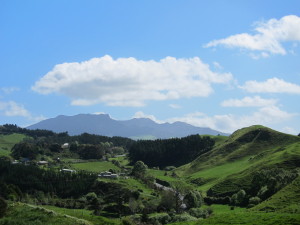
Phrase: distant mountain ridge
[103,124]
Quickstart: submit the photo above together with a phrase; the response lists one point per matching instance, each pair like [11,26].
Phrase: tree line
[170,152]
[50,137]
[28,179]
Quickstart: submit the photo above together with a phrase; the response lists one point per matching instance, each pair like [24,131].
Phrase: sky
[222,64]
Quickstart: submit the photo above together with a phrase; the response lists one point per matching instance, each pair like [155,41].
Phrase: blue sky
[218,64]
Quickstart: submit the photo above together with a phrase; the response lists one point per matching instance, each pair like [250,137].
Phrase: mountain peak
[103,124]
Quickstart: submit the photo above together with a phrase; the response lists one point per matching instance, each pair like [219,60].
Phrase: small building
[108,174]
[68,170]
[65,146]
[15,162]
[41,163]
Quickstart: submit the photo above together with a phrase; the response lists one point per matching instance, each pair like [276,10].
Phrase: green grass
[232,161]
[219,173]
[222,214]
[95,166]
[247,218]
[160,174]
[8,141]
[221,209]
[219,139]
[287,200]
[83,214]
[123,160]
[132,184]
[23,214]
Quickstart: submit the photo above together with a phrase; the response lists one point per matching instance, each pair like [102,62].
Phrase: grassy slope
[8,141]
[248,218]
[223,215]
[287,200]
[83,214]
[95,166]
[23,214]
[232,161]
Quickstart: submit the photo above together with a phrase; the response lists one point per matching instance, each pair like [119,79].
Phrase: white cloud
[9,90]
[267,116]
[268,38]
[12,108]
[141,114]
[255,101]
[289,130]
[130,82]
[273,85]
[175,106]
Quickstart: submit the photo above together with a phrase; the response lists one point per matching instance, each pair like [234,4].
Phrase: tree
[25,150]
[55,148]
[91,152]
[94,202]
[239,198]
[3,207]
[168,200]
[193,199]
[139,169]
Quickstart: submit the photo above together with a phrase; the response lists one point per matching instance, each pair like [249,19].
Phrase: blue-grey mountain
[137,128]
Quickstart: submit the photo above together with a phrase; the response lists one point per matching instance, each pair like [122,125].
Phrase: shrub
[198,213]
[3,207]
[127,221]
[160,219]
[254,200]
[183,218]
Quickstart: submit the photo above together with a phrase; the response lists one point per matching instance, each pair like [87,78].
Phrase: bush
[160,219]
[198,213]
[193,199]
[254,200]
[127,221]
[3,207]
[183,218]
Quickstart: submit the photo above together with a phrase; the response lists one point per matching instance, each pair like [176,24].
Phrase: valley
[249,177]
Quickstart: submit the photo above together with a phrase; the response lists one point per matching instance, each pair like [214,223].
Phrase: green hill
[21,214]
[231,165]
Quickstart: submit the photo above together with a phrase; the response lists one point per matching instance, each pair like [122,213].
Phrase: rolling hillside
[231,165]
[8,141]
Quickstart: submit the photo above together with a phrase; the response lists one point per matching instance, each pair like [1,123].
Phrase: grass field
[83,214]
[251,218]
[223,215]
[219,173]
[8,141]
[23,214]
[123,160]
[160,174]
[233,160]
[95,166]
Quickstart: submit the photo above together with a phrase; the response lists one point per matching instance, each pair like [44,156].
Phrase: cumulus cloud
[9,90]
[268,38]
[12,108]
[175,106]
[141,114]
[268,116]
[255,101]
[130,82]
[273,85]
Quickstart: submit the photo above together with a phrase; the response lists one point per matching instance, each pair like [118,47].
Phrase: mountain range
[137,128]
